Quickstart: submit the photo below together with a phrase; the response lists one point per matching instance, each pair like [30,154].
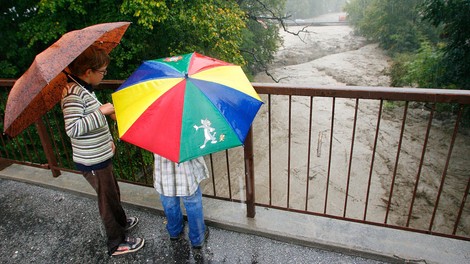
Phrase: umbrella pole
[249,175]
[47,147]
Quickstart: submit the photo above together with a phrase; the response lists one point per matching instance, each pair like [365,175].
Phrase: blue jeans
[174,216]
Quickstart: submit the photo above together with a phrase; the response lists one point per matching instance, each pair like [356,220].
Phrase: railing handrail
[434,95]
[363,92]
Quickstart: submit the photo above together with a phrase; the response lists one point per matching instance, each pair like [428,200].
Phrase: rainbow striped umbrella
[186,106]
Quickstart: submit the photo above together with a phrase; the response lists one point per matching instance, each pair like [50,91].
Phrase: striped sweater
[86,126]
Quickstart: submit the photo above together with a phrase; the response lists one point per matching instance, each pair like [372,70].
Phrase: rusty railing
[392,157]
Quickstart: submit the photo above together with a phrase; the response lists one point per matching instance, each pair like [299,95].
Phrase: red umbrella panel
[186,106]
[40,87]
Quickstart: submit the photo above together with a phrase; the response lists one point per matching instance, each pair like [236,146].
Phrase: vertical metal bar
[35,151]
[142,161]
[46,145]
[129,160]
[13,143]
[213,175]
[25,143]
[249,175]
[418,175]
[288,150]
[18,145]
[228,175]
[23,146]
[309,152]
[2,117]
[51,132]
[330,154]
[405,112]
[444,173]
[462,205]
[351,157]
[118,160]
[62,140]
[4,148]
[270,149]
[377,129]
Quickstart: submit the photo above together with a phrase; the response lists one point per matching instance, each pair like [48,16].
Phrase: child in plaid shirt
[175,182]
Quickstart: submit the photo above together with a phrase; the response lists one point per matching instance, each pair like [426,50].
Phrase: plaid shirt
[173,179]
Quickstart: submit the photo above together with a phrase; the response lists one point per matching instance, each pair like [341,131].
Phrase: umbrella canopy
[40,87]
[186,106]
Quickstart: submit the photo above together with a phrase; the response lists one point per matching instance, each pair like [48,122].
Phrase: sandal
[131,223]
[129,245]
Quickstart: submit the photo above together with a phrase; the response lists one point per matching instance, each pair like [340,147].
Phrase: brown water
[333,55]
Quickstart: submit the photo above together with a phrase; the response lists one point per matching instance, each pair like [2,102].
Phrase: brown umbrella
[40,87]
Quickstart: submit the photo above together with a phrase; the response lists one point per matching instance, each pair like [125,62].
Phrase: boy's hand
[107,109]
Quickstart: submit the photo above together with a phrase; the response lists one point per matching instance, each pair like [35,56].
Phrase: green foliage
[428,39]
[211,27]
[148,13]
[422,69]
[228,30]
[261,36]
[454,20]
[15,55]
[159,29]
[8,69]
[391,23]
[414,26]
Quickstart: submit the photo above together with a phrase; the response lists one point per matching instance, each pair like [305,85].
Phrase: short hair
[92,58]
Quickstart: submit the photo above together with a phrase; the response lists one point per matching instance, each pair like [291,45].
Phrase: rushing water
[333,55]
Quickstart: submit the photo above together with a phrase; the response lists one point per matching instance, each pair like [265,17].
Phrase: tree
[159,29]
[454,20]
[392,23]
[16,52]
[410,31]
[213,28]
[218,28]
[261,36]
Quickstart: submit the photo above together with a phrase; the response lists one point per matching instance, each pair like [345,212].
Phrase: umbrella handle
[92,95]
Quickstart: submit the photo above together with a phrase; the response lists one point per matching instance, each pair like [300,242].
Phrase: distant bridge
[330,19]
[306,22]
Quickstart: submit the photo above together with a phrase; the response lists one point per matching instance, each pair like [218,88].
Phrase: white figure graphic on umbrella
[206,124]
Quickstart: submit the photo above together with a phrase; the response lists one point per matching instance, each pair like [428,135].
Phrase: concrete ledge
[368,241]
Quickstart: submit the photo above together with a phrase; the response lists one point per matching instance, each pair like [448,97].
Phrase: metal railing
[392,157]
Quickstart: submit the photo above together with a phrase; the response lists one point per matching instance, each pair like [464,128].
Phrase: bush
[422,69]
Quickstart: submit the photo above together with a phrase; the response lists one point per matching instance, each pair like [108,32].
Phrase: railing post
[249,175]
[47,147]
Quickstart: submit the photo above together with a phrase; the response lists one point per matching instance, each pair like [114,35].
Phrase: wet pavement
[48,225]
[46,219]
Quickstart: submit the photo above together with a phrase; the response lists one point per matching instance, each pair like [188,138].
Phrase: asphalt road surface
[43,225]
